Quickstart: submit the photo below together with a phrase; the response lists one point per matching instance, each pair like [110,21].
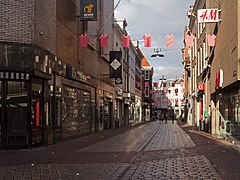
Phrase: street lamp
[157,53]
[162,78]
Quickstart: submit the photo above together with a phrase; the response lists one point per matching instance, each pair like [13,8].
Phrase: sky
[157,18]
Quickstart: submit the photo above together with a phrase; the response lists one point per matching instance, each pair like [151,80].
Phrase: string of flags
[189,39]
[125,40]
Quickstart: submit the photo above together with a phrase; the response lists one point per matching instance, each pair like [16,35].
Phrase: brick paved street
[152,150]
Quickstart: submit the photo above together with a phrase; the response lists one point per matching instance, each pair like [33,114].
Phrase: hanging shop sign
[88,10]
[116,66]
[219,79]
[208,15]
[201,87]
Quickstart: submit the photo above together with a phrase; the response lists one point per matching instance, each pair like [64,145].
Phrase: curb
[221,140]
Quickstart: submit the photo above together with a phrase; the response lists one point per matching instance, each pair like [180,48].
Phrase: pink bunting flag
[83,40]
[104,40]
[170,40]
[190,40]
[211,40]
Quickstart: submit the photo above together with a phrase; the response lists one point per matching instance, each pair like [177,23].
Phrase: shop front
[43,100]
[24,71]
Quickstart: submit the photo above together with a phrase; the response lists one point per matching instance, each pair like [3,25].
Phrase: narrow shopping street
[152,150]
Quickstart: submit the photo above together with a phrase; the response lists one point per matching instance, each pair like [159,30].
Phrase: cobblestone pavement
[151,151]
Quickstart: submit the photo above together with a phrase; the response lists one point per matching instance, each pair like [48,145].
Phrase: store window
[77,110]
[16,112]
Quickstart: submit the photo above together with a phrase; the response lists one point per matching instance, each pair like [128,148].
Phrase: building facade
[213,76]
[147,72]
[49,90]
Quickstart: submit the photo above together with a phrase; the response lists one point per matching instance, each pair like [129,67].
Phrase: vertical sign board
[88,10]
[116,66]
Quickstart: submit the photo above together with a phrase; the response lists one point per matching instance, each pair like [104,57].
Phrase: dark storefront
[43,101]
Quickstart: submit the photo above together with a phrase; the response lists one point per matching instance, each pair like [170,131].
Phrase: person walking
[161,117]
[165,117]
[172,117]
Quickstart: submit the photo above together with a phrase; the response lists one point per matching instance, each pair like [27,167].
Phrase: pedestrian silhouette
[172,118]
[165,117]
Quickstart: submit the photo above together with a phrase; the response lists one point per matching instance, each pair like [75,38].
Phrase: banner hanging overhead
[88,10]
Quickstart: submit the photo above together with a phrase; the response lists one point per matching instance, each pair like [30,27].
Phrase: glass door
[37,112]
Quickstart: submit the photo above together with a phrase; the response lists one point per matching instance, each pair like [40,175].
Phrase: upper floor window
[146,75]
[147,91]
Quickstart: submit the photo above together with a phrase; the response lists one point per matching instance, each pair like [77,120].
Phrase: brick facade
[17,21]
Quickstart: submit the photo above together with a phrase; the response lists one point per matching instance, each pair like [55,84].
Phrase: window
[146,75]
[147,91]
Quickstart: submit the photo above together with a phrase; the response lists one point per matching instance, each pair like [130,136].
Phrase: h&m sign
[208,15]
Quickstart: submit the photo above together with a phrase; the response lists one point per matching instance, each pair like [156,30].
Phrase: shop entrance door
[107,109]
[16,114]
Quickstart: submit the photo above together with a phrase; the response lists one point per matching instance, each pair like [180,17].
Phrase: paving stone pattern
[152,137]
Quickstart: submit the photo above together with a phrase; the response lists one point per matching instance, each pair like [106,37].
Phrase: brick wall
[17,21]
[45,24]
[69,27]
[29,21]
[225,56]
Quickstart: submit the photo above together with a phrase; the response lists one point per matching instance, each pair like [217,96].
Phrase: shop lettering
[207,15]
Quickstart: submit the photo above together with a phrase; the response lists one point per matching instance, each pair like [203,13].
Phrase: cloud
[158,18]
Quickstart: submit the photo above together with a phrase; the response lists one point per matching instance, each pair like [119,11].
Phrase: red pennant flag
[103,40]
[173,84]
[144,91]
[164,84]
[155,84]
[147,40]
[156,91]
[146,84]
[138,84]
[126,41]
[150,91]
[83,41]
